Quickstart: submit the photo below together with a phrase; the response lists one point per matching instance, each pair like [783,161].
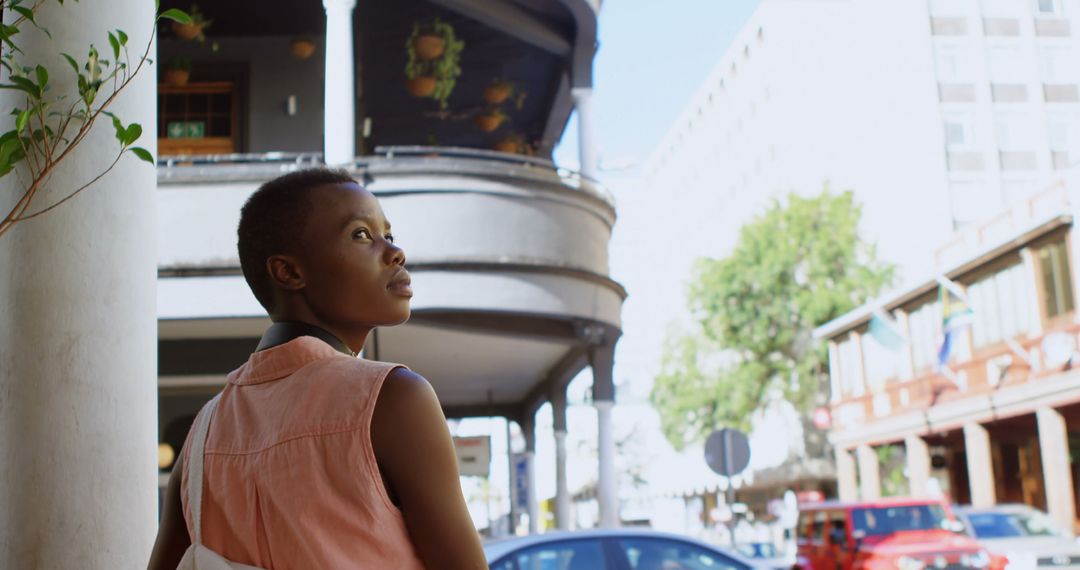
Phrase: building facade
[999,420]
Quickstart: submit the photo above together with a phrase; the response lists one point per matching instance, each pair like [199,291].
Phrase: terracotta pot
[302,49]
[496,94]
[177,77]
[421,86]
[187,31]
[507,145]
[488,123]
[428,47]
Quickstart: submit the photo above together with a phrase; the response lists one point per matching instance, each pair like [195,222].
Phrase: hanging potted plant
[195,29]
[490,120]
[427,41]
[512,144]
[435,77]
[499,90]
[302,47]
[178,71]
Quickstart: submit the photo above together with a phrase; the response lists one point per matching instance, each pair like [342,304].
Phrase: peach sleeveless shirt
[290,478]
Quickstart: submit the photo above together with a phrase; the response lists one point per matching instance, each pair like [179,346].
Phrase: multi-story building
[999,420]
[508,252]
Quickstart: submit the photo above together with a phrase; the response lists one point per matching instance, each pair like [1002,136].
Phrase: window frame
[206,145]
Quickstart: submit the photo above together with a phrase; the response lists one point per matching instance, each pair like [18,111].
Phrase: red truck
[901,534]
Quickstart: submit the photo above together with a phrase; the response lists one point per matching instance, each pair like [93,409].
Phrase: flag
[956,315]
[886,331]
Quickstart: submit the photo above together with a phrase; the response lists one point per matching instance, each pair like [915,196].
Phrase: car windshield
[1010,525]
[758,550]
[880,521]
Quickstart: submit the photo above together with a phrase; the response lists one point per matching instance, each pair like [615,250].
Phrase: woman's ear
[285,272]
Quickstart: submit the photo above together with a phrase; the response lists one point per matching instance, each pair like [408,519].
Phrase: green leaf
[23,84]
[142,153]
[71,62]
[115,43]
[176,15]
[121,132]
[24,12]
[21,120]
[132,134]
[42,76]
[122,36]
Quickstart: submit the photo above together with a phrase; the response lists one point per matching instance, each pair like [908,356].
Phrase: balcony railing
[240,167]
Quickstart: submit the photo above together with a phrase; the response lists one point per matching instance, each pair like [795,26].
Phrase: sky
[652,58]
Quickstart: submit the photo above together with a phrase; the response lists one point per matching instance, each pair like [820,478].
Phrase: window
[1049,7]
[925,326]
[1059,127]
[850,369]
[661,554]
[563,555]
[1006,64]
[954,62]
[1056,65]
[999,302]
[837,527]
[198,118]
[959,131]
[1056,279]
[1002,8]
[882,363]
[1015,131]
[882,521]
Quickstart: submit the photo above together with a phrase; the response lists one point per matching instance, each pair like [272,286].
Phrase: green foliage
[445,69]
[49,125]
[797,266]
[181,63]
[891,462]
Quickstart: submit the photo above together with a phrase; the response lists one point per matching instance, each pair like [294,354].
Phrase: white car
[1026,536]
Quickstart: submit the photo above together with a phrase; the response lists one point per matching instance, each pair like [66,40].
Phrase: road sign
[727,451]
[473,455]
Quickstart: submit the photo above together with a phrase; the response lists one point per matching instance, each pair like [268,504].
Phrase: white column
[78,328]
[860,386]
[918,465]
[530,474]
[586,145]
[562,490]
[980,465]
[834,372]
[1057,475]
[339,113]
[607,493]
[869,473]
[846,477]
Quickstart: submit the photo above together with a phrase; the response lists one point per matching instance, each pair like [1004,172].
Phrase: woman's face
[354,274]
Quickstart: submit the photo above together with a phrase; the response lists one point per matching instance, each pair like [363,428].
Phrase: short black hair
[273,220]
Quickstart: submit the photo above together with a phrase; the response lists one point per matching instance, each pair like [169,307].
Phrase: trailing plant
[195,28]
[445,69]
[48,126]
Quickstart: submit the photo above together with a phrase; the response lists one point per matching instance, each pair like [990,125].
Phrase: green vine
[445,69]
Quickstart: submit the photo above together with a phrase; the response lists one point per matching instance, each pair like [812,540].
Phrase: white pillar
[980,465]
[78,328]
[586,145]
[530,474]
[607,493]
[846,477]
[918,465]
[834,373]
[562,490]
[339,113]
[907,355]
[869,473]
[859,388]
[1057,475]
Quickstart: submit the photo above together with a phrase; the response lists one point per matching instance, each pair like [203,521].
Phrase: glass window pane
[568,555]
[661,554]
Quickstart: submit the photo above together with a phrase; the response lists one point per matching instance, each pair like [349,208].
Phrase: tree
[795,267]
[47,126]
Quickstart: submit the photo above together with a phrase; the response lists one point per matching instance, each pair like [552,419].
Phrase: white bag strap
[195,466]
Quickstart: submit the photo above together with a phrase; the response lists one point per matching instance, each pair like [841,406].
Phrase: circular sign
[727,451]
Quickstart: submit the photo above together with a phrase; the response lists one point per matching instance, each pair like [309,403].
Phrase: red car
[901,534]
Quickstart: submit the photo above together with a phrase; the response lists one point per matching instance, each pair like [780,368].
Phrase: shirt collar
[285,331]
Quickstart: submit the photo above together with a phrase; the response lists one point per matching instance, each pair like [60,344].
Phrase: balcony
[508,256]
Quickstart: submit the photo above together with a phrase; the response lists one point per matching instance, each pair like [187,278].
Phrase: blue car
[614,549]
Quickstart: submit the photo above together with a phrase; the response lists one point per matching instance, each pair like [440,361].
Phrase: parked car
[1024,535]
[615,549]
[905,534]
[765,552]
